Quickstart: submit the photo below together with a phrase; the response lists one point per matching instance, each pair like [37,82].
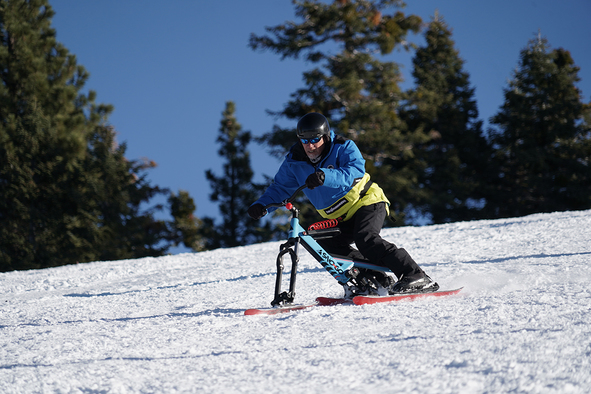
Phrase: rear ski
[363,300]
[374,299]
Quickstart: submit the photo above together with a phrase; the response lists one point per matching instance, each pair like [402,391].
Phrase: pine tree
[353,88]
[119,189]
[68,193]
[542,141]
[234,190]
[185,226]
[40,222]
[453,163]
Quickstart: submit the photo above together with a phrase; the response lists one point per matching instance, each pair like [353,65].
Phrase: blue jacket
[343,167]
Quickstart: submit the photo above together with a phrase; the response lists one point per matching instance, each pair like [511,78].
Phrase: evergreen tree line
[69,194]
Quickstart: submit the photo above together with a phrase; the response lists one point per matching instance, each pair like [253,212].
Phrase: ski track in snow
[176,323]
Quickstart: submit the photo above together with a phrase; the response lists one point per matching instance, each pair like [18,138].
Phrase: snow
[176,323]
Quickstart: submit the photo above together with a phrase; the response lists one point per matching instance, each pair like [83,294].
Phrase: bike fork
[286,297]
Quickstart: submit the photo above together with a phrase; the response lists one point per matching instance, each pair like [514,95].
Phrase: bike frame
[343,269]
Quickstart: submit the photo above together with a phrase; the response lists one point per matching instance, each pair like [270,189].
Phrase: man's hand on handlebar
[257,211]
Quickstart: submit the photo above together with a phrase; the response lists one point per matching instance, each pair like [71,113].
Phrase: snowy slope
[176,324]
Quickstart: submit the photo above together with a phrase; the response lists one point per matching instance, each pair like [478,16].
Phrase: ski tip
[250,312]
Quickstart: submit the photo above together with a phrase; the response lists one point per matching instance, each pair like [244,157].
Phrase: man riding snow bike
[333,171]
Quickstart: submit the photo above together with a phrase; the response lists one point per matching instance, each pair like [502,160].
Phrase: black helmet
[313,125]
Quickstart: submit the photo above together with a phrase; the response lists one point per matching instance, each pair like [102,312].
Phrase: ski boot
[367,282]
[422,284]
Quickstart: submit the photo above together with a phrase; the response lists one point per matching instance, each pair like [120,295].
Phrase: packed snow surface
[522,324]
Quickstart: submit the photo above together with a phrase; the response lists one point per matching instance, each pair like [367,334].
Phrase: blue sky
[169,67]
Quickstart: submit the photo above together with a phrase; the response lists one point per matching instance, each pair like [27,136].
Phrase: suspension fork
[286,297]
[290,247]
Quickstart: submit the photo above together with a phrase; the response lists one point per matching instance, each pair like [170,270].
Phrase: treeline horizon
[70,195]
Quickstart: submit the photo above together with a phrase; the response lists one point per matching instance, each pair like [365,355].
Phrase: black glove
[314,180]
[256,211]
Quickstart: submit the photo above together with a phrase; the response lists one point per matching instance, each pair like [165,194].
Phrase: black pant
[363,229]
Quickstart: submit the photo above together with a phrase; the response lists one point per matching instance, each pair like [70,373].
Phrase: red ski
[277,310]
[320,301]
[362,300]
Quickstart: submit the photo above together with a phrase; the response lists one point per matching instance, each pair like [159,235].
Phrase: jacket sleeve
[284,185]
[351,166]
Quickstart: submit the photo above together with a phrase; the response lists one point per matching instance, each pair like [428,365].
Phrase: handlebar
[287,200]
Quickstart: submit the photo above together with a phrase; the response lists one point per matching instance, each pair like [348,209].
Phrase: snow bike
[358,277]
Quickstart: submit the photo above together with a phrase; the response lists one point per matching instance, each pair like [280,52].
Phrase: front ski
[320,301]
[277,310]
[363,300]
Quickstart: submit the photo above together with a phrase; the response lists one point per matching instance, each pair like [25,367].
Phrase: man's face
[314,150]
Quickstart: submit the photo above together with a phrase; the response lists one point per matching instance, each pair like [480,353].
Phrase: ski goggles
[307,141]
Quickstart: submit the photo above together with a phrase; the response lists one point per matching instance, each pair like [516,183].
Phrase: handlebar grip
[284,202]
